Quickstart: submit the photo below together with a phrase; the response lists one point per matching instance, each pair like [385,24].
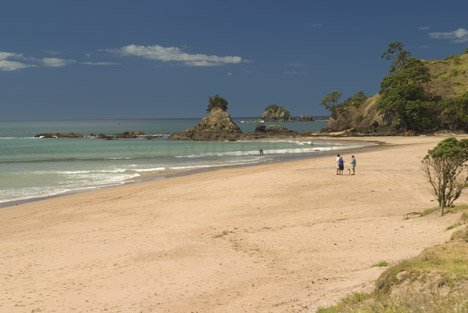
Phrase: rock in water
[58,135]
[217,125]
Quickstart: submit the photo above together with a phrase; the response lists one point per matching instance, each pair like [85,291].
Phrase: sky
[94,59]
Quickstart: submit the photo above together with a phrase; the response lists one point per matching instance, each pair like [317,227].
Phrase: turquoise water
[33,168]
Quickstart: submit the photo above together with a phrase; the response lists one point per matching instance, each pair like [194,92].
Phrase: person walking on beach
[340,165]
[337,164]
[353,164]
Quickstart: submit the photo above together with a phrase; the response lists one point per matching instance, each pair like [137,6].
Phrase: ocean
[32,168]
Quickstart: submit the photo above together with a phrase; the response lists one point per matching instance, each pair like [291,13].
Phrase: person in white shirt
[337,165]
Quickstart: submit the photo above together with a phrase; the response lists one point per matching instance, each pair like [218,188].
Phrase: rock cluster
[273,129]
[124,135]
[217,125]
[58,135]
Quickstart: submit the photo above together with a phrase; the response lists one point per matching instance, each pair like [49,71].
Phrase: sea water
[33,168]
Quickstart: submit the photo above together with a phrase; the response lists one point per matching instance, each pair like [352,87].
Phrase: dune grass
[381,264]
[434,281]
[449,76]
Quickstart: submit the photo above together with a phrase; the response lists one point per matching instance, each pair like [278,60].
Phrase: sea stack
[216,125]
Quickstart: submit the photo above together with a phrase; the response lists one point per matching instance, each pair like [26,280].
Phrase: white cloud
[99,63]
[56,62]
[423,27]
[317,25]
[6,55]
[8,62]
[174,54]
[6,65]
[460,35]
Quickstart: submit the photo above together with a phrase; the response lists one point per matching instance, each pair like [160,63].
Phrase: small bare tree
[444,168]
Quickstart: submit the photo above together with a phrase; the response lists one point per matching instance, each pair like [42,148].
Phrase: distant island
[275,112]
[218,125]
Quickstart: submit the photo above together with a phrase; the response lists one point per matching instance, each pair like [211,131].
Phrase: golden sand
[283,237]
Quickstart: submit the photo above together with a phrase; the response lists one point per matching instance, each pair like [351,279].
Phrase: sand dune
[283,237]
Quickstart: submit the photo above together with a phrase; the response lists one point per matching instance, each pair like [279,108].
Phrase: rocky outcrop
[58,135]
[125,135]
[362,119]
[263,131]
[129,135]
[217,125]
[304,118]
[272,129]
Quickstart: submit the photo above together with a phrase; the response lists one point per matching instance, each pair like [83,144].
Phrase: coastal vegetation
[275,112]
[217,101]
[381,264]
[416,97]
[444,168]
[346,112]
[330,102]
[434,281]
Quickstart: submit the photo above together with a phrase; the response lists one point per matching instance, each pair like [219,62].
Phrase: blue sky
[155,59]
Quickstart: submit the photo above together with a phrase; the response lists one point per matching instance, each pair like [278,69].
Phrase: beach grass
[453,209]
[381,264]
[434,281]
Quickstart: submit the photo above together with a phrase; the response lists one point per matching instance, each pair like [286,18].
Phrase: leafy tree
[217,101]
[356,100]
[397,54]
[445,171]
[413,72]
[276,112]
[404,102]
[330,101]
[454,113]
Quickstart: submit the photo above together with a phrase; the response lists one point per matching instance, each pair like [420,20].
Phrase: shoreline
[167,174]
[279,237]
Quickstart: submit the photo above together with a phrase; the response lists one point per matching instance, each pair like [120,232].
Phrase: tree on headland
[397,54]
[356,100]
[405,104]
[332,104]
[217,101]
[276,112]
[415,97]
[444,168]
[330,101]
[454,113]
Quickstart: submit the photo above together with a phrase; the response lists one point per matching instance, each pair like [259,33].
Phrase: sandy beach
[282,237]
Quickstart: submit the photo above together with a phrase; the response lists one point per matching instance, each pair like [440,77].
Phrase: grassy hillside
[448,80]
[433,282]
[449,77]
